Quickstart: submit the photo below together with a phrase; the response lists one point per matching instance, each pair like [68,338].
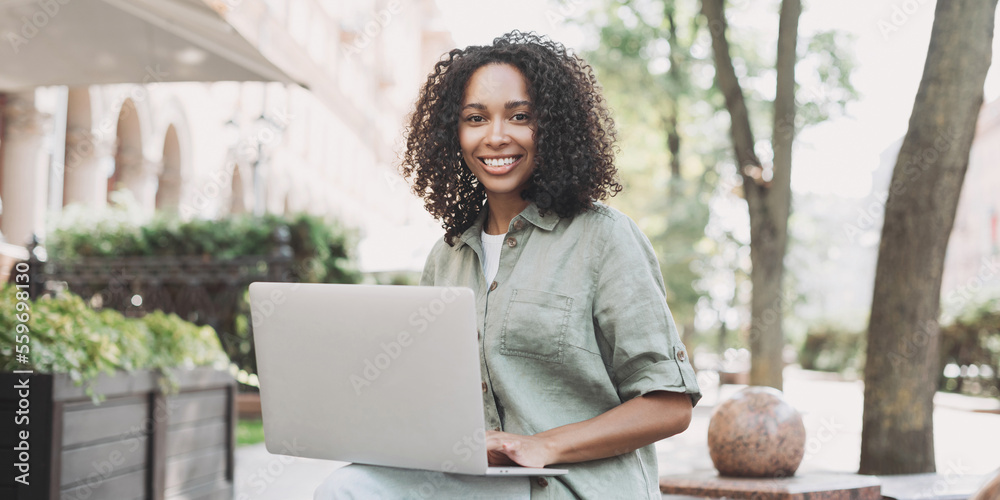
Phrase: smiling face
[496,131]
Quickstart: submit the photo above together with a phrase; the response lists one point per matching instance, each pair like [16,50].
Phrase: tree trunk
[673,136]
[903,333]
[767,191]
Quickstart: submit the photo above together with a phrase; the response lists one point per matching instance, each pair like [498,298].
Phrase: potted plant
[111,407]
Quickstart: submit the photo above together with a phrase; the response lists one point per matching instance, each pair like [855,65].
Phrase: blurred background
[324,139]
[270,131]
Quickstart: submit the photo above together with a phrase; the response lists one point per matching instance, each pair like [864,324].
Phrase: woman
[510,146]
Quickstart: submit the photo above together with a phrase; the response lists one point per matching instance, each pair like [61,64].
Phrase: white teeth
[499,162]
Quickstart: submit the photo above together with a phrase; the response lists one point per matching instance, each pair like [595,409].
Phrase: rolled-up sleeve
[632,316]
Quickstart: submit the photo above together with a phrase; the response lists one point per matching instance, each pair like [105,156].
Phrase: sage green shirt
[575,323]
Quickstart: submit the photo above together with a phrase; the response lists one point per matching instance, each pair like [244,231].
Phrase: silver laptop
[383,375]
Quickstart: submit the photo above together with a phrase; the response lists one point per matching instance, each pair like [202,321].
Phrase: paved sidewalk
[965,441]
[263,476]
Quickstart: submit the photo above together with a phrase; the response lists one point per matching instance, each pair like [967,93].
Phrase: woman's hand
[623,429]
[504,448]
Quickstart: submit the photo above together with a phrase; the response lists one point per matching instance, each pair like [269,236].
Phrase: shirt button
[511,242]
[493,286]
[484,387]
[479,334]
[681,356]
[518,225]
[543,482]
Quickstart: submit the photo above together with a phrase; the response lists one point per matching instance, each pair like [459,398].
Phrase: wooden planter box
[137,444]
[248,406]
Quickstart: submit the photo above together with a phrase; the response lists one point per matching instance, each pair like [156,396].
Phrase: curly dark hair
[575,136]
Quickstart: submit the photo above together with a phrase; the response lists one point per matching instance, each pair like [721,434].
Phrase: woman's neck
[502,210]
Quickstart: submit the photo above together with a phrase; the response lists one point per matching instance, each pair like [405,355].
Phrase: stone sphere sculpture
[756,433]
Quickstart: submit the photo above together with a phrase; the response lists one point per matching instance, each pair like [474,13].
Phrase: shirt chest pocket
[534,325]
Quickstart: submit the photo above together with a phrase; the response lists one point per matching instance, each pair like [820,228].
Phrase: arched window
[168,190]
[128,154]
[237,203]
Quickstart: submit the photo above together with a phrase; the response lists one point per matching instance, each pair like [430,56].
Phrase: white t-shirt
[492,243]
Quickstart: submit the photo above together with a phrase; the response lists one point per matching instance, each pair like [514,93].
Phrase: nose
[497,135]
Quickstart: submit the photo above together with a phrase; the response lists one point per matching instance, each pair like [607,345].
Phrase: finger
[511,447]
[495,436]
[499,458]
[494,442]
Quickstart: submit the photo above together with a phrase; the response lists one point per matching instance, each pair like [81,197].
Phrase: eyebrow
[508,105]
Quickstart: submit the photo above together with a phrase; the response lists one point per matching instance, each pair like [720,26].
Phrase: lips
[499,165]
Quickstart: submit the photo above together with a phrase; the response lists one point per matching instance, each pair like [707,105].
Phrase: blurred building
[841,263]
[972,263]
[210,149]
